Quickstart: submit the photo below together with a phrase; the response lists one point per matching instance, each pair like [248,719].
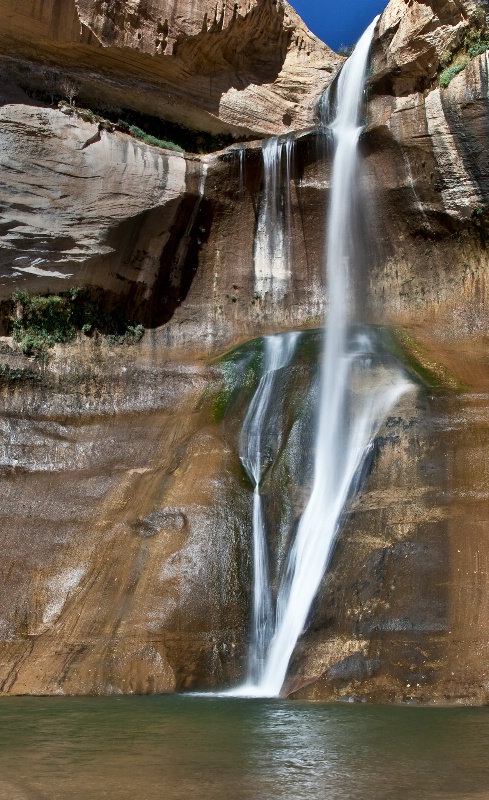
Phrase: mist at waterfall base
[354,398]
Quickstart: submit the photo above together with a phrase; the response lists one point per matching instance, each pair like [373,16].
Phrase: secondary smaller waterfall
[256,453]
[241,155]
[272,255]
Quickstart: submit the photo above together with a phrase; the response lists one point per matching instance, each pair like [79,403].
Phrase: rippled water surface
[208,748]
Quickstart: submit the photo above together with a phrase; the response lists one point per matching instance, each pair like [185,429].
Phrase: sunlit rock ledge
[244,67]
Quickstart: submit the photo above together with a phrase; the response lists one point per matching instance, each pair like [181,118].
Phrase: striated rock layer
[170,237]
[401,614]
[426,164]
[413,38]
[238,67]
[125,563]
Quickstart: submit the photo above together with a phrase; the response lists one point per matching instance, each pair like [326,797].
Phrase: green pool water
[140,748]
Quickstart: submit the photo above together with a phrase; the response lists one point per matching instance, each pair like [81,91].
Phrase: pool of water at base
[176,747]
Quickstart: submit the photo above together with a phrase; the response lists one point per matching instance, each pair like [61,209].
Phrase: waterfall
[255,447]
[272,257]
[354,401]
[241,152]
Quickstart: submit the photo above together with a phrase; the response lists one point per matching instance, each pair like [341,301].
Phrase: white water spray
[353,404]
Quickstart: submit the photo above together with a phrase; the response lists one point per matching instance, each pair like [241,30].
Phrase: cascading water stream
[254,454]
[272,257]
[353,405]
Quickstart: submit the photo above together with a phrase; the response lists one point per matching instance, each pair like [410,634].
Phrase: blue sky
[338,21]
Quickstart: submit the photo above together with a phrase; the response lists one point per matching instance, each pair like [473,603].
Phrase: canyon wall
[240,67]
[426,157]
[126,523]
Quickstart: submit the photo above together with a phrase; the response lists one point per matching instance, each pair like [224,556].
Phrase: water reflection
[209,748]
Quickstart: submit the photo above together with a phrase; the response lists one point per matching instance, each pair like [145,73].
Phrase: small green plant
[10,374]
[478,46]
[39,322]
[445,59]
[152,140]
[449,73]
[475,42]
[134,333]
[88,115]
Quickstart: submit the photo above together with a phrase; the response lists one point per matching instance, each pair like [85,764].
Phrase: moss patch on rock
[239,372]
[420,362]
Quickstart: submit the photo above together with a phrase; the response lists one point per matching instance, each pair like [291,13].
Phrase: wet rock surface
[126,560]
[399,604]
[126,525]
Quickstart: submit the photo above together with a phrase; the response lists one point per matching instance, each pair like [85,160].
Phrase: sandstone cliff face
[402,612]
[127,567]
[399,615]
[413,37]
[66,190]
[426,159]
[124,495]
[237,67]
[170,237]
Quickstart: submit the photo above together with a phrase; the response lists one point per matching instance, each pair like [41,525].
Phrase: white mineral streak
[272,257]
[59,589]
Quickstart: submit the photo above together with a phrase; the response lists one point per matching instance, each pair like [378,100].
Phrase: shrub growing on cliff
[153,140]
[191,141]
[346,50]
[450,72]
[475,42]
[479,44]
[68,89]
[41,321]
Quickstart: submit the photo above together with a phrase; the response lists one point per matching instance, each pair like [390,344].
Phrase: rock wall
[413,38]
[240,67]
[426,164]
[126,566]
[77,202]
[170,237]
[401,614]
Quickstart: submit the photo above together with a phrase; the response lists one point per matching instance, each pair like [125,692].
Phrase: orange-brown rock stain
[121,566]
